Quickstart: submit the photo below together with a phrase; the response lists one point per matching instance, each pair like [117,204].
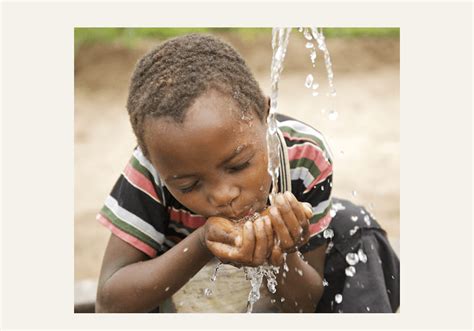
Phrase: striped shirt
[141,211]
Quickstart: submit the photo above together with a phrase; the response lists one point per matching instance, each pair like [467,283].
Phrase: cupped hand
[239,243]
[290,223]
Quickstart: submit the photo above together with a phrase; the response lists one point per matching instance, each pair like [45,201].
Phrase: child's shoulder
[297,132]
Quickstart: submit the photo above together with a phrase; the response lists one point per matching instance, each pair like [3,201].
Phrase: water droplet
[315,93]
[354,193]
[330,246]
[333,115]
[362,256]
[332,93]
[367,220]
[315,86]
[354,218]
[284,274]
[372,246]
[307,34]
[352,258]
[338,298]
[350,271]
[325,282]
[368,308]
[214,274]
[282,299]
[362,211]
[185,250]
[328,233]
[285,267]
[393,277]
[309,81]
[299,271]
[309,45]
[207,292]
[272,300]
[300,29]
[167,289]
[313,56]
[300,311]
[261,188]
[353,231]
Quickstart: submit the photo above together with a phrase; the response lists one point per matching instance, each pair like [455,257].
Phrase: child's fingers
[224,232]
[248,242]
[300,213]
[276,258]
[260,252]
[280,228]
[286,212]
[295,206]
[308,209]
[269,232]
[223,251]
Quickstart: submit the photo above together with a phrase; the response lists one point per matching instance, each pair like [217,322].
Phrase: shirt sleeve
[134,210]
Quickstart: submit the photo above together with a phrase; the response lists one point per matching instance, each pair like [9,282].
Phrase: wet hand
[290,223]
[242,243]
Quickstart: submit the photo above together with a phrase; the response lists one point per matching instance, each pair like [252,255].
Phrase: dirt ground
[365,136]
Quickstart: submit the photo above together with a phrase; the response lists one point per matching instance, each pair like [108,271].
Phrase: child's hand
[290,222]
[239,243]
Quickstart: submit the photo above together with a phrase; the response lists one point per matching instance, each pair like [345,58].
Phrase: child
[200,171]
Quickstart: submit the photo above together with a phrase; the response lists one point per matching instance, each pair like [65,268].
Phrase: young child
[199,171]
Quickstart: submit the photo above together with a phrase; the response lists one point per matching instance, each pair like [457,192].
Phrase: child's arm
[131,282]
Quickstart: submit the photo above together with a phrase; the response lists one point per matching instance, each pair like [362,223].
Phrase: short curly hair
[169,78]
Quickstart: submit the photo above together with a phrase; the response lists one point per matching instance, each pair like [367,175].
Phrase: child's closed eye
[188,188]
[239,167]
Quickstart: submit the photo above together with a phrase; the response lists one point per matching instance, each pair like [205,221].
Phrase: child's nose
[222,195]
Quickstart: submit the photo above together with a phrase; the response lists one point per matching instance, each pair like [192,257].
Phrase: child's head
[199,117]
[168,79]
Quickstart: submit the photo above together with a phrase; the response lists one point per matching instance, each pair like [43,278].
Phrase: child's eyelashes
[188,188]
[239,167]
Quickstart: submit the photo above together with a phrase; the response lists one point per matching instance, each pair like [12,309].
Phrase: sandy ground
[364,138]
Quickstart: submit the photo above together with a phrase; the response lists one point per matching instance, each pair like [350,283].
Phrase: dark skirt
[362,271]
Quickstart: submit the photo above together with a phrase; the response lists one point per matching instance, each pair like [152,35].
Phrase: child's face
[215,163]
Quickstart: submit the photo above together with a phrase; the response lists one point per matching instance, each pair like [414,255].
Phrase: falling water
[280,38]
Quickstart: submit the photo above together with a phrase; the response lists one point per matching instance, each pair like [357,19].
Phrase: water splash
[255,275]
[350,271]
[214,274]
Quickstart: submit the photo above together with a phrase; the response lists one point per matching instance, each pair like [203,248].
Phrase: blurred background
[361,123]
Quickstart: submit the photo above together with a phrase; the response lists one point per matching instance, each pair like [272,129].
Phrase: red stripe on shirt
[287,135]
[140,181]
[310,152]
[320,226]
[186,218]
[135,242]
